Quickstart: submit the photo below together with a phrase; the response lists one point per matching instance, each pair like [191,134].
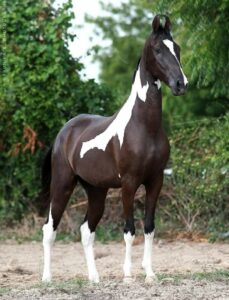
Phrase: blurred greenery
[199,27]
[40,91]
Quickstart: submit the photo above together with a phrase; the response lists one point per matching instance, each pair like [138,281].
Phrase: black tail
[44,196]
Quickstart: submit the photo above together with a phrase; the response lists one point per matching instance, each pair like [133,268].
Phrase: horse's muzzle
[178,87]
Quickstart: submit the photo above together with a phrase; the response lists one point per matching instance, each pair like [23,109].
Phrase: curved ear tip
[156,18]
[156,23]
[167,23]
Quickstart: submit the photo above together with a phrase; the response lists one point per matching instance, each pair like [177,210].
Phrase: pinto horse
[123,151]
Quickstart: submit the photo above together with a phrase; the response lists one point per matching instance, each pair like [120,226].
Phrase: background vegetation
[41,89]
[204,50]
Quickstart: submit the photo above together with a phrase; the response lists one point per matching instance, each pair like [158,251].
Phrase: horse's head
[162,57]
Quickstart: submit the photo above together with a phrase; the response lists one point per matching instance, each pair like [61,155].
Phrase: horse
[124,151]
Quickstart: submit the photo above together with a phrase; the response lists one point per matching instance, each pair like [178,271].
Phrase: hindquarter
[91,158]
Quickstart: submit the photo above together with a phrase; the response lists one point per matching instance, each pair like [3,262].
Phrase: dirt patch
[187,289]
[21,269]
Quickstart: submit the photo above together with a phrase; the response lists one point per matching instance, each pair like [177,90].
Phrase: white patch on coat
[87,239]
[129,239]
[49,236]
[168,172]
[147,257]
[118,126]
[158,83]
[169,44]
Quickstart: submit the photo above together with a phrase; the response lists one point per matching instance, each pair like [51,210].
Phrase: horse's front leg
[128,192]
[152,191]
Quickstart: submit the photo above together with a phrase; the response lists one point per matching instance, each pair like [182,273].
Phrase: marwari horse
[123,151]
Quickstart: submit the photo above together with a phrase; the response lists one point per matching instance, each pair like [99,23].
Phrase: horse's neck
[144,101]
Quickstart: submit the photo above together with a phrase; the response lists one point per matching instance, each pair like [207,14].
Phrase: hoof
[128,280]
[47,279]
[151,279]
[143,265]
[94,278]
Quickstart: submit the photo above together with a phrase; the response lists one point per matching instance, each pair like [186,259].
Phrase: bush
[41,90]
[197,191]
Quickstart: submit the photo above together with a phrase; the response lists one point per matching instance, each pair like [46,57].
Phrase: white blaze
[169,44]
[129,239]
[49,236]
[147,257]
[87,239]
[118,126]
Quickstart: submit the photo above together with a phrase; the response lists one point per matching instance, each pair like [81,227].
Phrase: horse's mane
[136,69]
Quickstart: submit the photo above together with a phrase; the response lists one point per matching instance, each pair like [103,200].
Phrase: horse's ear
[156,23]
[168,24]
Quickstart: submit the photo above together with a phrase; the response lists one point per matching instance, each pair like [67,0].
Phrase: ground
[185,270]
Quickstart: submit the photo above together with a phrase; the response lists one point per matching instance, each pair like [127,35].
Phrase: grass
[217,275]
[211,276]
[104,234]
[4,290]
[37,236]
[74,286]
[68,287]
[173,278]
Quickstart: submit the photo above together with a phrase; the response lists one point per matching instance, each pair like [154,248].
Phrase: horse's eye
[157,50]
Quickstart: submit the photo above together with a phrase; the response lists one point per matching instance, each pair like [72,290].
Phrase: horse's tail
[46,174]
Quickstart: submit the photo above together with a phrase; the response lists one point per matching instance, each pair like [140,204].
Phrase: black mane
[136,69]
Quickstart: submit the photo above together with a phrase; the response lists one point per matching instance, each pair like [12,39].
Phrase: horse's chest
[145,155]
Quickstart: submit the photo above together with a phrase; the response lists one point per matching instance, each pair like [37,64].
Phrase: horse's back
[75,127]
[81,122]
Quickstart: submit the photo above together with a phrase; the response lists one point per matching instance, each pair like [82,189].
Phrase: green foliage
[127,32]
[198,188]
[111,232]
[41,90]
[200,27]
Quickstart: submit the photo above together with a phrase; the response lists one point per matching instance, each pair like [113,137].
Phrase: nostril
[178,84]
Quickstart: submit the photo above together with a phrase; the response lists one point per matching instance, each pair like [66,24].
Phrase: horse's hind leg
[96,201]
[62,185]
[128,191]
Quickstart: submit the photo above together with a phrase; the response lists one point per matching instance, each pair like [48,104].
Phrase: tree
[127,32]
[40,91]
[202,40]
